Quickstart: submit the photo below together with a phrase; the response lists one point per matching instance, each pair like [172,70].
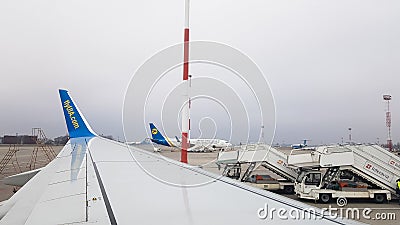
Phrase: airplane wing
[94,180]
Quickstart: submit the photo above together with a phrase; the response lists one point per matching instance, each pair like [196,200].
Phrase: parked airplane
[94,180]
[195,144]
[298,146]
[158,138]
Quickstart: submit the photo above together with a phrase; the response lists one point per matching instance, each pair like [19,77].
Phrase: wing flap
[20,179]
[64,189]
[59,211]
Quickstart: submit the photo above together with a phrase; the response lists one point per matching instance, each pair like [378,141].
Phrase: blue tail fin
[157,137]
[155,133]
[76,123]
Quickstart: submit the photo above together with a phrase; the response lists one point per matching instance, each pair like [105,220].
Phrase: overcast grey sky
[328,62]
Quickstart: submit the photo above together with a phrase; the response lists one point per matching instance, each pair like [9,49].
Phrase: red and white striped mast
[186,107]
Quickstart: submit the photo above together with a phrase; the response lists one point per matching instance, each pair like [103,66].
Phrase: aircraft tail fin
[155,133]
[177,139]
[76,122]
[158,138]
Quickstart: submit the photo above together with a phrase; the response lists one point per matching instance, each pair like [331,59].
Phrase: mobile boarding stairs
[370,163]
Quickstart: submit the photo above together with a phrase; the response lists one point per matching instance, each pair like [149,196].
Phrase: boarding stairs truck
[377,165]
[254,155]
[369,171]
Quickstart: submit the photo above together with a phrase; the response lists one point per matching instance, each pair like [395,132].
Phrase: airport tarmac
[20,163]
[207,162]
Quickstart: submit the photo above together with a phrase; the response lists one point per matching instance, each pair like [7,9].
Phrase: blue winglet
[76,123]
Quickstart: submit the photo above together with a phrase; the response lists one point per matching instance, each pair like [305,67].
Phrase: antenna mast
[387,98]
[186,106]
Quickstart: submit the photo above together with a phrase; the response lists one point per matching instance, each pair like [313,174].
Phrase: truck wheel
[288,189]
[325,198]
[379,198]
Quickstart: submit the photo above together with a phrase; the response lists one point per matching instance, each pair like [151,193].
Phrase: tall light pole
[349,135]
[387,98]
